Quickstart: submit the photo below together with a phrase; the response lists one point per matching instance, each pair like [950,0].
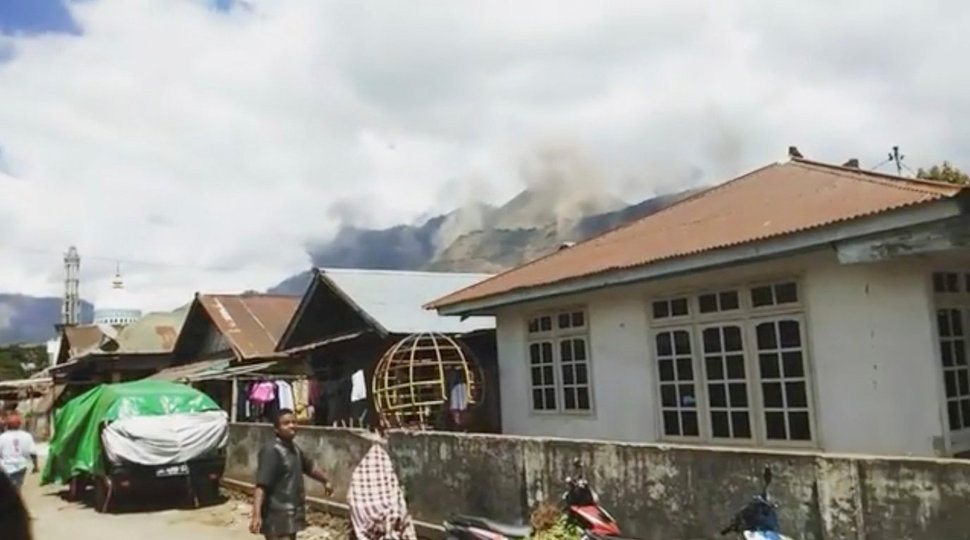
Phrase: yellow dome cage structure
[421,376]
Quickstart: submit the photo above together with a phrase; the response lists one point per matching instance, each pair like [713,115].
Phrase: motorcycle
[580,504]
[758,520]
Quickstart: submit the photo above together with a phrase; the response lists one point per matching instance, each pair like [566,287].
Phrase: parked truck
[119,441]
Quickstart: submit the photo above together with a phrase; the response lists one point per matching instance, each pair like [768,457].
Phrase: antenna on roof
[897,158]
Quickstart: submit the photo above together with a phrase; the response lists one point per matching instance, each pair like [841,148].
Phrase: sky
[204,143]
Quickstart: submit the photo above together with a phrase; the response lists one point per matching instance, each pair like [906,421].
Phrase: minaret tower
[71,309]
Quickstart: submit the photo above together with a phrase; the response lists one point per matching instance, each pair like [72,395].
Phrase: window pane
[739,395]
[668,395]
[678,307]
[956,322]
[773,397]
[579,319]
[685,371]
[536,376]
[959,353]
[661,310]
[568,374]
[712,340]
[719,424]
[537,400]
[566,351]
[729,300]
[707,303]
[786,293]
[569,398]
[732,338]
[950,380]
[792,361]
[775,425]
[682,342]
[946,352]
[717,395]
[664,345]
[952,282]
[547,351]
[767,339]
[795,394]
[798,425]
[769,366]
[790,336]
[687,398]
[584,401]
[761,296]
[547,375]
[579,349]
[671,423]
[953,415]
[741,424]
[533,325]
[689,419]
[962,383]
[550,398]
[735,366]
[545,324]
[965,412]
[564,320]
[715,368]
[581,376]
[534,357]
[943,323]
[666,370]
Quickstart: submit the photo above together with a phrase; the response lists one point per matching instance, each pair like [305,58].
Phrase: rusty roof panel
[82,337]
[252,323]
[773,201]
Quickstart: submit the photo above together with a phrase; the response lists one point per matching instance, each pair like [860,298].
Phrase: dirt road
[57,519]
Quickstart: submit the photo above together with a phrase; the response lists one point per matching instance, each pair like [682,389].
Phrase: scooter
[758,520]
[579,502]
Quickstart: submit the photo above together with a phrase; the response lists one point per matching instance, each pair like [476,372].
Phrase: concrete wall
[654,491]
[337,451]
[872,353]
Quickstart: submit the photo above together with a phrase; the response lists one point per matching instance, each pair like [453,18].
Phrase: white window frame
[959,301]
[556,336]
[747,317]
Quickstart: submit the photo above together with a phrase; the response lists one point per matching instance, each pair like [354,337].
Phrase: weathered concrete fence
[654,491]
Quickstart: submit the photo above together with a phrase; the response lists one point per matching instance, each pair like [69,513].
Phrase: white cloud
[218,143]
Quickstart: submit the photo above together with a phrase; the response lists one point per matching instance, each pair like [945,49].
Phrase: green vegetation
[944,173]
[14,358]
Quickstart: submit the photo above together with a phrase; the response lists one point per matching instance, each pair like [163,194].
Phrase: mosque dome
[116,307]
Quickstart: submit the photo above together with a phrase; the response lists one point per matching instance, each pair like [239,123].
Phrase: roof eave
[748,252]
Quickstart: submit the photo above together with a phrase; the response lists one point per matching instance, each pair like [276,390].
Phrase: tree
[944,173]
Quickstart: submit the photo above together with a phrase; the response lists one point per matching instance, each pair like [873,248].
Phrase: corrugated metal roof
[153,333]
[82,337]
[394,298]
[251,323]
[773,201]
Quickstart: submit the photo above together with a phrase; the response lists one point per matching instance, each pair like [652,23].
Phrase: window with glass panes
[732,366]
[558,348]
[952,297]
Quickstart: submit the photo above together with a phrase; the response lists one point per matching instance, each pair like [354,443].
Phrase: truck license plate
[174,470]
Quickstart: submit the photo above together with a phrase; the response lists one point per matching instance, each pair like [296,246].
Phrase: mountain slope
[29,319]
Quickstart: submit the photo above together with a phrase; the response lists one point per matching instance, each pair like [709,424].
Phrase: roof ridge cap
[875,177]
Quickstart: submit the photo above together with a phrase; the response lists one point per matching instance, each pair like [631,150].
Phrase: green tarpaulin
[76,445]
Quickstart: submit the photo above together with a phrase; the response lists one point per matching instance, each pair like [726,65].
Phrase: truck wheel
[102,494]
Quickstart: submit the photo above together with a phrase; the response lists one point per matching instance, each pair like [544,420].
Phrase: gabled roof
[390,300]
[774,201]
[251,323]
[154,332]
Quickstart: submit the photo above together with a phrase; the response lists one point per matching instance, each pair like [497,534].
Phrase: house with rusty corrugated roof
[100,353]
[802,305]
[228,336]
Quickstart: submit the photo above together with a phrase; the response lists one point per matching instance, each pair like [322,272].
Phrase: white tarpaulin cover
[165,439]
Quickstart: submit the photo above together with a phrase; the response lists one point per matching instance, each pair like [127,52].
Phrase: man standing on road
[279,503]
[16,451]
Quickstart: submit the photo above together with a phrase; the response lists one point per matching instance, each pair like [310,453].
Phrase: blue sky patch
[36,17]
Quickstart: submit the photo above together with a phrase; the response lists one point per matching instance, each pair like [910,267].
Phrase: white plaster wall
[873,348]
[876,384]
[623,389]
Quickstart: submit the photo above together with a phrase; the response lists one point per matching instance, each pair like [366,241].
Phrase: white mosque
[116,307]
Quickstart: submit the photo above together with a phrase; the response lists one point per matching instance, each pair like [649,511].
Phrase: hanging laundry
[301,399]
[285,393]
[358,389]
[262,392]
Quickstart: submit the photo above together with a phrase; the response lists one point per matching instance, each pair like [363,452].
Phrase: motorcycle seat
[511,531]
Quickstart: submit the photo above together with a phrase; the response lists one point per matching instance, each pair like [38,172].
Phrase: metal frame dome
[411,381]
